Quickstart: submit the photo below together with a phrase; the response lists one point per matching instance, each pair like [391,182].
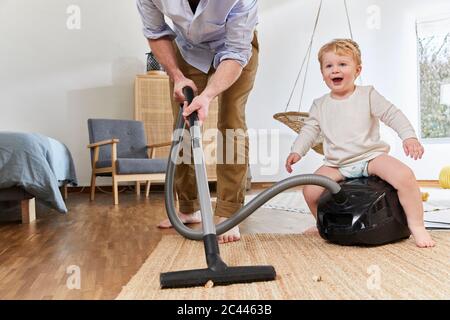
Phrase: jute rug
[307,268]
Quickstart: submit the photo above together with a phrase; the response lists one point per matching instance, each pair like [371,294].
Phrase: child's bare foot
[311,230]
[195,217]
[422,237]
[229,236]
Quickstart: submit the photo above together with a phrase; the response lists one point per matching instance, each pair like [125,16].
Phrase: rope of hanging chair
[308,53]
[348,20]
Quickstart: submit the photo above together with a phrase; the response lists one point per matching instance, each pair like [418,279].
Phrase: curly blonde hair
[341,47]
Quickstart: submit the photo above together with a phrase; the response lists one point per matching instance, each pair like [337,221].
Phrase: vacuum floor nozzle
[226,276]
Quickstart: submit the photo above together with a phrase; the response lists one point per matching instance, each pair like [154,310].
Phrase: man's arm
[154,25]
[164,52]
[160,37]
[240,26]
[229,62]
[226,74]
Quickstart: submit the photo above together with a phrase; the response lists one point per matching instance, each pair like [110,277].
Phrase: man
[212,48]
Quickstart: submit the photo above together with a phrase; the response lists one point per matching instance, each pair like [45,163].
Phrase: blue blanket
[38,164]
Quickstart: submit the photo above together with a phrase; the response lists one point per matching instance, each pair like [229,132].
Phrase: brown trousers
[231,177]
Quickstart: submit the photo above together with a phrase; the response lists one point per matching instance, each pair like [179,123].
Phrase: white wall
[53,79]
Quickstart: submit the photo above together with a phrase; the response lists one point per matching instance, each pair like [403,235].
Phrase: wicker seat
[295,121]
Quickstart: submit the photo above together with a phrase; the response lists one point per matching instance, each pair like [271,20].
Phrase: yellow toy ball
[444,178]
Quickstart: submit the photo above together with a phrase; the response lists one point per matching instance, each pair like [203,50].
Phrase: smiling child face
[339,71]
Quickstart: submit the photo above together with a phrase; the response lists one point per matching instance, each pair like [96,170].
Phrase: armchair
[119,149]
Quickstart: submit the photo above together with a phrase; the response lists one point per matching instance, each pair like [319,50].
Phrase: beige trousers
[231,175]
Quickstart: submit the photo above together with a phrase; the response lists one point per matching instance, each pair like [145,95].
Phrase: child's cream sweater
[350,127]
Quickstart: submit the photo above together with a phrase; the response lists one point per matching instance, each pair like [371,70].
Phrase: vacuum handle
[189,95]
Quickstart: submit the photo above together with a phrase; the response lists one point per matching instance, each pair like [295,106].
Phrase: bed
[34,166]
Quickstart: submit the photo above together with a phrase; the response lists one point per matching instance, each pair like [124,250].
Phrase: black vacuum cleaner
[369,214]
[372,214]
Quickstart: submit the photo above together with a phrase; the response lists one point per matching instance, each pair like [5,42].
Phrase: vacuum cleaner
[372,214]
[335,201]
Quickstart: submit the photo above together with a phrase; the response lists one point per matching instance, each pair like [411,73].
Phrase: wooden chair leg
[28,210]
[115,190]
[138,188]
[92,186]
[147,189]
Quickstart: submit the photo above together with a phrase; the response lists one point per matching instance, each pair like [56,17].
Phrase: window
[433,43]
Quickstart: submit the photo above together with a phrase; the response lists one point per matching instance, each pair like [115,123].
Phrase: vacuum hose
[248,209]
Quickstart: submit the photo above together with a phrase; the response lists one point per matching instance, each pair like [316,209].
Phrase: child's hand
[413,148]
[291,159]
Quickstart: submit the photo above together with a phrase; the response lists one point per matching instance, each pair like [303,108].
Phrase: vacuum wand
[217,271]
[201,177]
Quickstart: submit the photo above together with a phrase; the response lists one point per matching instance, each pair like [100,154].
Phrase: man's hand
[165,54]
[413,148]
[226,74]
[291,159]
[199,104]
[178,86]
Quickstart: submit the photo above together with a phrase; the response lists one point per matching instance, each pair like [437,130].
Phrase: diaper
[355,170]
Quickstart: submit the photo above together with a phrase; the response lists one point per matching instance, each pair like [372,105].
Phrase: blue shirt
[219,29]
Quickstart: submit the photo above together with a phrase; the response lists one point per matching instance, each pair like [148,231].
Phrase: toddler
[348,118]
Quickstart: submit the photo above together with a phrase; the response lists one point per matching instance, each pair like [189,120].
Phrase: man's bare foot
[422,237]
[311,230]
[229,236]
[195,217]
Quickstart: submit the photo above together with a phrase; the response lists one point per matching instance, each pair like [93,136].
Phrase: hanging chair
[296,119]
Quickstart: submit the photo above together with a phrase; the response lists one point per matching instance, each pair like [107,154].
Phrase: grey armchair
[119,149]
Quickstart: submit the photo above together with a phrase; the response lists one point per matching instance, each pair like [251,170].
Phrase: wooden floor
[107,243]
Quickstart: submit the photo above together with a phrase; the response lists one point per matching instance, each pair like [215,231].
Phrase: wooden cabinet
[153,107]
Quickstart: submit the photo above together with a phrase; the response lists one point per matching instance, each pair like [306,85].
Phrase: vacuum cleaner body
[372,214]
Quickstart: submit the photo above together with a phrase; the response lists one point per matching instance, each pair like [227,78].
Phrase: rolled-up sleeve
[154,25]
[240,25]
